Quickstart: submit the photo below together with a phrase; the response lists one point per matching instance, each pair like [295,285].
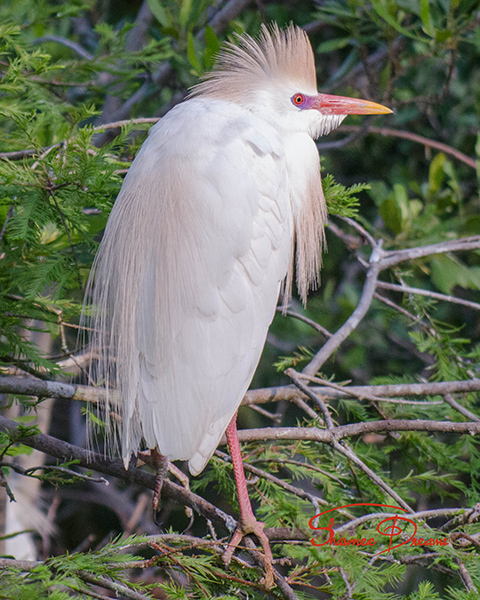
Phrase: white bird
[221,198]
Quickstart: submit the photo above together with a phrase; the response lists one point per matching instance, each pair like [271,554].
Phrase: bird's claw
[160,464]
[257,528]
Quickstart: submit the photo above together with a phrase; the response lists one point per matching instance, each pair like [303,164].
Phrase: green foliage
[342,201]
[60,577]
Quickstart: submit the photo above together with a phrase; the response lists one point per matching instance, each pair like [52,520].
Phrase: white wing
[189,272]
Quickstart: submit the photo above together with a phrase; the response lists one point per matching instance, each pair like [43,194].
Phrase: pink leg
[247,523]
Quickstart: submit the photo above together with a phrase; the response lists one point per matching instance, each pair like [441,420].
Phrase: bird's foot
[160,463]
[246,526]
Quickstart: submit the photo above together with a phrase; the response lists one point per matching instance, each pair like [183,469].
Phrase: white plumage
[201,238]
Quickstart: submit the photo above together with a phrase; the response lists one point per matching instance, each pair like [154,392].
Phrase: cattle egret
[200,243]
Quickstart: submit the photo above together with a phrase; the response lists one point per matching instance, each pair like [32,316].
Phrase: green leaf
[449,271]
[159,12]
[184,13]
[436,173]
[332,45]
[426,18]
[391,215]
[381,10]
[212,47]
[192,57]
[477,154]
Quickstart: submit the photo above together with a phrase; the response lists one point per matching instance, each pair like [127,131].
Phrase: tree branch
[394,257]
[26,386]
[360,311]
[114,467]
[328,436]
[418,139]
[405,289]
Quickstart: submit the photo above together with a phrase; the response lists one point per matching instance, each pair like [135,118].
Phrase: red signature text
[391,527]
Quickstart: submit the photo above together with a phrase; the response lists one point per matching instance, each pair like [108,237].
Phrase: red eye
[298,99]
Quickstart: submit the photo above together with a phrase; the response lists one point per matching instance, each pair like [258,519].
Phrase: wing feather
[189,273]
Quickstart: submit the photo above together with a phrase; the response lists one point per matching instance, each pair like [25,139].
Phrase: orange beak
[340,105]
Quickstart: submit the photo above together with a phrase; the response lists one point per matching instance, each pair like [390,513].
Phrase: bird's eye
[298,99]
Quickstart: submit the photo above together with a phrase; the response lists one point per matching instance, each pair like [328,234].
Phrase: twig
[7,218]
[291,461]
[275,417]
[302,405]
[117,588]
[349,139]
[449,399]
[465,576]
[400,310]
[340,432]
[21,565]
[361,230]
[413,137]
[420,515]
[118,124]
[344,449]
[26,386]
[352,242]
[315,500]
[30,471]
[65,42]
[286,590]
[19,154]
[412,290]
[366,395]
[314,324]
[353,321]
[91,460]
[291,374]
[395,257]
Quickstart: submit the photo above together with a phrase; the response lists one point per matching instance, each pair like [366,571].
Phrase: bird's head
[274,77]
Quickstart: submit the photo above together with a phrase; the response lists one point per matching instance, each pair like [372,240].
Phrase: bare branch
[117,588]
[397,256]
[7,218]
[461,409]
[319,328]
[413,137]
[344,449]
[27,386]
[65,42]
[420,516]
[118,124]
[412,290]
[114,467]
[226,14]
[19,154]
[311,394]
[315,500]
[360,311]
[30,472]
[361,230]
[365,395]
[328,436]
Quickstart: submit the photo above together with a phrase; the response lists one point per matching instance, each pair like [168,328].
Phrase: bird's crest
[278,54]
